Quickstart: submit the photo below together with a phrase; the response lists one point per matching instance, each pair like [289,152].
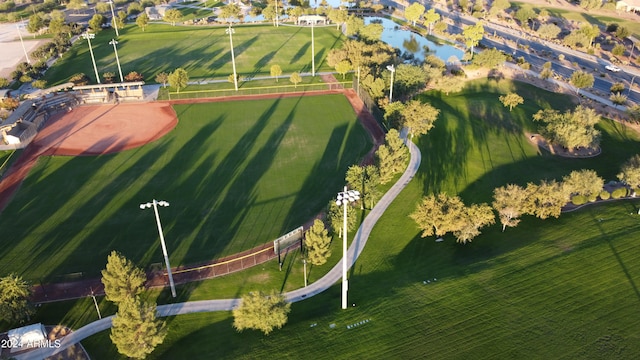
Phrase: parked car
[612,68]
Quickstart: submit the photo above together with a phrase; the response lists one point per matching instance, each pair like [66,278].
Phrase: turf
[203,51]
[557,288]
[237,175]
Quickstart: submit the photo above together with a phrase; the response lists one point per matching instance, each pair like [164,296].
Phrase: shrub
[133,76]
[619,193]
[79,79]
[578,199]
[39,84]
[604,195]
[593,197]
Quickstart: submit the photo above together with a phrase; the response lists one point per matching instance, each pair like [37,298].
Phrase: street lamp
[22,42]
[155,204]
[631,85]
[113,19]
[276,13]
[90,36]
[345,197]
[114,43]
[95,303]
[313,51]
[393,70]
[233,57]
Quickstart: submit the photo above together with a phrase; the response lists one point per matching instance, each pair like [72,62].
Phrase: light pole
[345,197]
[114,43]
[393,70]
[313,51]
[96,304]
[304,262]
[113,19]
[233,57]
[155,204]
[276,13]
[22,42]
[90,36]
[631,85]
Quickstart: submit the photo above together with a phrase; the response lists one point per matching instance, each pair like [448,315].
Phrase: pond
[411,43]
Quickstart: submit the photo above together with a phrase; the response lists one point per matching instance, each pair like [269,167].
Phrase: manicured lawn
[556,288]
[237,174]
[201,50]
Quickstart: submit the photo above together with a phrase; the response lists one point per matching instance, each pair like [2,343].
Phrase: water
[411,43]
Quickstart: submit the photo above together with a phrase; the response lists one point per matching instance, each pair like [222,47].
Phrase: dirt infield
[91,130]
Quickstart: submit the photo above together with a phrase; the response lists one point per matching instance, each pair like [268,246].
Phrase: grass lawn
[201,50]
[237,174]
[556,288]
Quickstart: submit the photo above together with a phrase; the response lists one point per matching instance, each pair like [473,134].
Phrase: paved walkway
[335,274]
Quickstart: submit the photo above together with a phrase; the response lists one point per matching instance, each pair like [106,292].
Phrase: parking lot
[12,51]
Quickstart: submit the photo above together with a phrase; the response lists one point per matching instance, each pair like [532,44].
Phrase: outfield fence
[261,90]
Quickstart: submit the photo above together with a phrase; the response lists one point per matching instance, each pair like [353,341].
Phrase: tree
[121,278]
[133,76]
[508,202]
[343,67]
[14,299]
[102,7]
[339,16]
[135,331]
[618,50]
[630,172]
[142,21]
[524,14]
[413,12]
[549,31]
[120,19]
[408,79]
[76,5]
[590,4]
[276,71]
[571,129]
[230,12]
[261,311]
[622,32]
[162,78]
[179,79]
[365,180]
[371,32]
[174,15]
[354,25]
[335,216]
[589,31]
[317,243]
[295,79]
[545,200]
[36,22]
[393,114]
[438,214]
[473,218]
[583,182]
[511,100]
[499,6]
[581,79]
[419,117]
[430,17]
[96,22]
[473,34]
[490,58]
[449,84]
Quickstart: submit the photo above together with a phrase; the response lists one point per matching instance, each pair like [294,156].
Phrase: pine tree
[121,279]
[317,243]
[14,299]
[135,331]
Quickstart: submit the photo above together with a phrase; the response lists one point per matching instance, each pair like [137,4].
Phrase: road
[334,275]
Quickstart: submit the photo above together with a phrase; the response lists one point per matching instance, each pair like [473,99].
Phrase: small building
[27,337]
[628,5]
[156,13]
[312,19]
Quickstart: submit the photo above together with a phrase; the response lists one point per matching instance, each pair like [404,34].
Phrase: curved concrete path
[335,274]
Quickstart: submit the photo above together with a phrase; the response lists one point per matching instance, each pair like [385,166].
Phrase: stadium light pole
[393,70]
[344,198]
[313,52]
[276,13]
[90,36]
[233,57]
[113,19]
[155,204]
[95,303]
[114,43]
[22,42]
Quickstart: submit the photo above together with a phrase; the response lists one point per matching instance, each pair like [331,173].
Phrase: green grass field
[237,175]
[203,51]
[557,288]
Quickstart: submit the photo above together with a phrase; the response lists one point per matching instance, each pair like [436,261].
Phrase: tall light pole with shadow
[233,57]
[90,36]
[155,204]
[344,198]
[393,70]
[114,43]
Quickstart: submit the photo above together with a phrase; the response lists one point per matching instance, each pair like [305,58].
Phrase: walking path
[335,274]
